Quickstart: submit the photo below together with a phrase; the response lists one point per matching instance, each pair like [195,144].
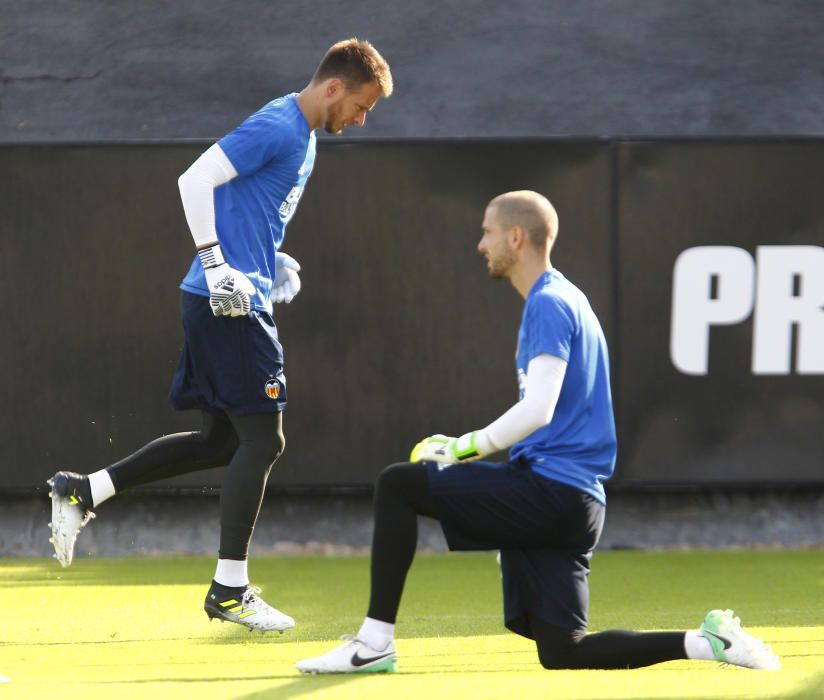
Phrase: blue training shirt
[578,446]
[273,152]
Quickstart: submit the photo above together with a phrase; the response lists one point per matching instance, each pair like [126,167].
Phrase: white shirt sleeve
[197,191]
[544,377]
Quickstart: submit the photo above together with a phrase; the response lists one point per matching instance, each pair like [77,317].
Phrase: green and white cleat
[352,657]
[71,510]
[732,645]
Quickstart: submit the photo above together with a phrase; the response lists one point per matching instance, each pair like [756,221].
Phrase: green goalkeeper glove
[446,450]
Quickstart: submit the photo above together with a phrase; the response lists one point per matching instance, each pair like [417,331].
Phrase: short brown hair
[530,210]
[356,62]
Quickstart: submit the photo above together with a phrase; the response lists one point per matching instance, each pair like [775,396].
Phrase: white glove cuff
[211,256]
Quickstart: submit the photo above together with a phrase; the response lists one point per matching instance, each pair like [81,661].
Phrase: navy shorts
[546,532]
[229,364]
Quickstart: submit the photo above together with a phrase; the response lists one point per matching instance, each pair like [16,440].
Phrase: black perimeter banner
[702,259]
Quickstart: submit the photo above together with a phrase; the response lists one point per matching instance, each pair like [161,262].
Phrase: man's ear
[333,87]
[517,237]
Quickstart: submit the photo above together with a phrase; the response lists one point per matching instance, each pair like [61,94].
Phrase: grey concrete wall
[92,69]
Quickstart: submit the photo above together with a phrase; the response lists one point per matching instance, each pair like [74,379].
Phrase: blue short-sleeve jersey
[578,446]
[273,152]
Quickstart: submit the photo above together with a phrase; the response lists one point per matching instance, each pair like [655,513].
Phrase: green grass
[134,628]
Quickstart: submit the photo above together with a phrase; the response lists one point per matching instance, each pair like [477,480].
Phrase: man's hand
[287,281]
[230,291]
[446,450]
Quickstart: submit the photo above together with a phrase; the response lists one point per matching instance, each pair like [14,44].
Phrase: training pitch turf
[134,628]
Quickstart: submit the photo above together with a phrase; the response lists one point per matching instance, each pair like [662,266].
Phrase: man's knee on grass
[557,646]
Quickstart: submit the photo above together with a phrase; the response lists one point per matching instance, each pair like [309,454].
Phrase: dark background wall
[398,332]
[92,69]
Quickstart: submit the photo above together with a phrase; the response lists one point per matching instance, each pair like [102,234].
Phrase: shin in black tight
[565,649]
[261,442]
[401,494]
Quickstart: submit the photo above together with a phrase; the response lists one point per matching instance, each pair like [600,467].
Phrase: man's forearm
[197,192]
[544,378]
[545,375]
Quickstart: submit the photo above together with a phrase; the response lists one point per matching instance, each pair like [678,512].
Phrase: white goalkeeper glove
[287,281]
[230,291]
[447,450]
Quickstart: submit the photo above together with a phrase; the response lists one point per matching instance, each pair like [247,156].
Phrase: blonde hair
[356,62]
[529,210]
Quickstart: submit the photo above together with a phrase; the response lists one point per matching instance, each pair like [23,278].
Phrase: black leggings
[560,648]
[249,445]
[401,494]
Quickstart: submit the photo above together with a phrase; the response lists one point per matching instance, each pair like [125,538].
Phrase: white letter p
[696,306]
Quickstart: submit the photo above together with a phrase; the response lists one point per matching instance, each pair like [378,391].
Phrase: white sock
[102,487]
[376,634]
[697,647]
[232,573]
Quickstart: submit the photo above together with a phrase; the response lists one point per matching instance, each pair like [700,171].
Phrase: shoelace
[756,646]
[755,643]
[251,599]
[88,515]
[351,638]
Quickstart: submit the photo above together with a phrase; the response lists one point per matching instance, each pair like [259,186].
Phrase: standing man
[544,508]
[238,198]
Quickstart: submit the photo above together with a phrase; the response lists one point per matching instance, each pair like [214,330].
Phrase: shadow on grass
[307,684]
[301,686]
[298,685]
[814,690]
[311,684]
